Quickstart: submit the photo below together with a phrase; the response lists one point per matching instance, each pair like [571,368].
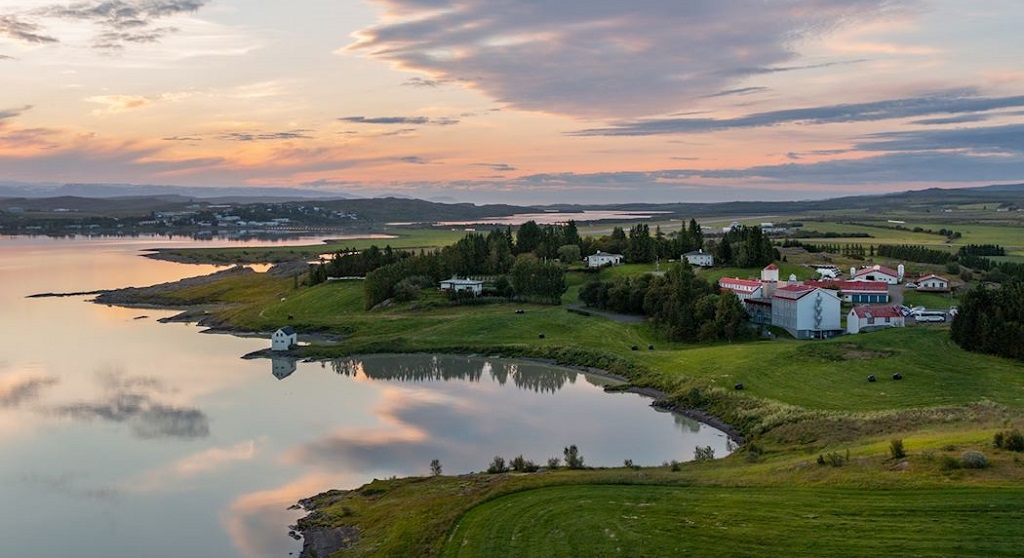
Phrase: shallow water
[122,436]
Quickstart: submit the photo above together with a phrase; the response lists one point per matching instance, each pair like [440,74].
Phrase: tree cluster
[680,304]
[745,247]
[991,321]
[352,263]
[476,254]
[912,253]
[982,250]
[638,244]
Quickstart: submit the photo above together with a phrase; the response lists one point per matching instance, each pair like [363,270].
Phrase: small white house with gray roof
[284,339]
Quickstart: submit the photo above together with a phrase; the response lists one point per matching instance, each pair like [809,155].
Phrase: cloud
[407,120]
[6,57]
[194,465]
[12,26]
[272,136]
[738,91]
[423,82]
[119,22]
[601,58]
[959,119]
[999,139]
[182,138]
[16,391]
[496,167]
[134,401]
[113,104]
[414,160]
[13,113]
[955,101]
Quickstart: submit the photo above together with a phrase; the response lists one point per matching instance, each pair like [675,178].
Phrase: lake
[123,436]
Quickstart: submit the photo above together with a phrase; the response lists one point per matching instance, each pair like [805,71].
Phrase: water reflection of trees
[422,368]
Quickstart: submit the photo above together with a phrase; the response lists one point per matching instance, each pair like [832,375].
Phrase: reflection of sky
[125,437]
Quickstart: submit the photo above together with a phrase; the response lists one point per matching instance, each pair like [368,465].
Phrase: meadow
[801,400]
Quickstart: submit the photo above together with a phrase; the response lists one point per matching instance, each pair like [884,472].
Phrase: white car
[911,285]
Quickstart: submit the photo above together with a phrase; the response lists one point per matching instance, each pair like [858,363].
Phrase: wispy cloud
[119,22]
[266,136]
[998,139]
[6,114]
[406,120]
[496,167]
[737,91]
[113,104]
[949,102]
[14,27]
[15,391]
[604,58]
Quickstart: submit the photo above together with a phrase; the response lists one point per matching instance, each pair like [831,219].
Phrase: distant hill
[48,190]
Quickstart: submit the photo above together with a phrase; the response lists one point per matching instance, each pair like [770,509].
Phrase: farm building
[806,312]
[604,258]
[869,318]
[743,288]
[283,339]
[700,257]
[457,285]
[933,283]
[857,292]
[877,273]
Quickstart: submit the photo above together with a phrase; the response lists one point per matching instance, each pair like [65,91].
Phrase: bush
[554,463]
[497,465]
[974,460]
[706,453]
[833,458]
[1012,440]
[435,467]
[675,466]
[896,449]
[573,459]
[521,465]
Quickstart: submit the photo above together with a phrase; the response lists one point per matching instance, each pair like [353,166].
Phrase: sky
[520,101]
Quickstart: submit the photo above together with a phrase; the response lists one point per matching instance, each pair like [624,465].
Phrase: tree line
[991,321]
[681,305]
[745,247]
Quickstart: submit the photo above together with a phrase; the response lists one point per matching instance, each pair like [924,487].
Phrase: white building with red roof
[877,273]
[869,318]
[857,292]
[933,283]
[806,311]
[743,288]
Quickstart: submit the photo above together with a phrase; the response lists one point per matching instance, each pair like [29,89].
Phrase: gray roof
[287,330]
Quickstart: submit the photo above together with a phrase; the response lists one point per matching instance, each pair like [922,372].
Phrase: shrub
[706,453]
[999,439]
[554,463]
[497,465]
[833,458]
[974,460]
[675,466]
[1014,441]
[628,463]
[435,467]
[573,459]
[896,449]
[521,465]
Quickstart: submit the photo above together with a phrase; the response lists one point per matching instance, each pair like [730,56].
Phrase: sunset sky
[524,101]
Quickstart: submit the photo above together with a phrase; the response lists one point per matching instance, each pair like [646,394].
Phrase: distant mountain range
[125,198]
[50,190]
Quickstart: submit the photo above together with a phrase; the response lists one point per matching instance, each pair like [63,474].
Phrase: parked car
[911,285]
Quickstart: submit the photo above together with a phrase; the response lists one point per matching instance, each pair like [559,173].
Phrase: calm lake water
[122,436]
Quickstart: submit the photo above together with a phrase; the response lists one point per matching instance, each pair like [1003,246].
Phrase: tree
[435,467]
[569,253]
[534,278]
[528,237]
[573,459]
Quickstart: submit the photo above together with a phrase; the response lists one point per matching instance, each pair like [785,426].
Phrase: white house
[700,257]
[876,273]
[742,288]
[284,339]
[462,286]
[933,283]
[806,312]
[868,318]
[604,258]
[857,292]
[770,274]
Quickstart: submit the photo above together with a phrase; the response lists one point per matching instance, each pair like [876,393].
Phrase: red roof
[877,312]
[736,282]
[793,292]
[772,266]
[851,286]
[878,268]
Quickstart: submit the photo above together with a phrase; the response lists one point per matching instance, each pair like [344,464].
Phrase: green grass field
[675,521]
